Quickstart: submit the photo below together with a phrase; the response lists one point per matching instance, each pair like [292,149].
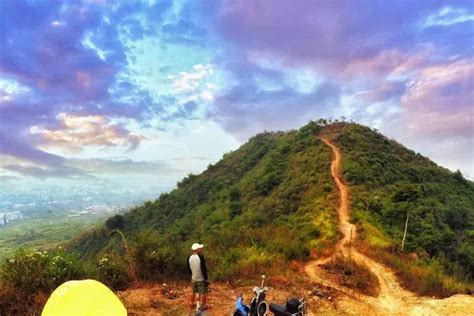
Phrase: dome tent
[81,298]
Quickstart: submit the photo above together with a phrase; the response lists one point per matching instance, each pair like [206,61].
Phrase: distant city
[17,203]
[8,217]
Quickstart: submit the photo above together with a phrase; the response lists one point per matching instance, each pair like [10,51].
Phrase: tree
[115,222]
[371,201]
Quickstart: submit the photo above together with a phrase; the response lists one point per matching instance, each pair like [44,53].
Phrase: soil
[324,292]
[392,298]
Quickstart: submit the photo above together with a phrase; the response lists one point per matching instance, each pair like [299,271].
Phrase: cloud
[75,131]
[62,59]
[123,166]
[20,147]
[448,16]
[386,91]
[349,49]
[190,81]
[73,72]
[329,34]
[45,172]
[90,169]
[246,110]
[439,101]
[8,179]
[51,59]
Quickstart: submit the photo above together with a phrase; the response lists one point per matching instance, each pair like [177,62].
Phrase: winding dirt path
[392,298]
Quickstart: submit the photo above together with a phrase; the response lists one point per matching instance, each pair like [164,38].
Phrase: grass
[423,276]
[374,237]
[326,222]
[42,233]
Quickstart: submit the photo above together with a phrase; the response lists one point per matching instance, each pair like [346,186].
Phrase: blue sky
[153,90]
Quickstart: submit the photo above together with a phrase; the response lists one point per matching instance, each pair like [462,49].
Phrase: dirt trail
[392,298]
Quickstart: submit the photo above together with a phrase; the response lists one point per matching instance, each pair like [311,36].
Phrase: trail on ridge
[392,298]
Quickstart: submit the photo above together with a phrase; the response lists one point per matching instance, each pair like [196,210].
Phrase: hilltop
[278,205]
[273,200]
[389,183]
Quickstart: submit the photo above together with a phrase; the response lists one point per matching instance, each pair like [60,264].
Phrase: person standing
[199,280]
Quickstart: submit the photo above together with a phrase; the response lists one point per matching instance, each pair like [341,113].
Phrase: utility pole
[405,232]
[350,249]
[393,245]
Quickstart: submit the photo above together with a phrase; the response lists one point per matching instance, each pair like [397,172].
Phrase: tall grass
[422,276]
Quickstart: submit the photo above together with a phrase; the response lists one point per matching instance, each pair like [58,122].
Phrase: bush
[115,222]
[153,259]
[34,271]
[30,276]
[113,272]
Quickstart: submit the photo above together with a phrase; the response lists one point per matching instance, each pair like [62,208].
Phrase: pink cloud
[440,100]
[77,131]
[386,90]
[390,62]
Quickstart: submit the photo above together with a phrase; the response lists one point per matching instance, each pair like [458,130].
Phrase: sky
[149,91]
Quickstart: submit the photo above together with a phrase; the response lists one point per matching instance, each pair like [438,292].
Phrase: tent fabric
[83,298]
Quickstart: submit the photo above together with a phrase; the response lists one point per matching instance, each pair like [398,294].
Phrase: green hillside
[388,182]
[270,201]
[273,200]
[267,204]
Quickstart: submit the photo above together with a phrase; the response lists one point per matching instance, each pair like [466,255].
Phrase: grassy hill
[390,183]
[273,202]
[270,201]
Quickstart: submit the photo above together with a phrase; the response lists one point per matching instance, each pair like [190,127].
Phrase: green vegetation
[30,276]
[42,232]
[390,183]
[266,202]
[273,200]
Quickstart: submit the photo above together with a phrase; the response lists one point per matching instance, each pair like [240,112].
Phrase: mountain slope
[391,298]
[273,200]
[390,183]
[269,201]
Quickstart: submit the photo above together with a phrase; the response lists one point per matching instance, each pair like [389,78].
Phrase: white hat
[196,246]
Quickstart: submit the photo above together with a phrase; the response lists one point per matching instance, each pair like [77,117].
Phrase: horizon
[142,93]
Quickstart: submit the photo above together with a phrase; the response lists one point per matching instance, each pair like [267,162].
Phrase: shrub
[30,276]
[113,272]
[151,256]
[33,271]
[115,222]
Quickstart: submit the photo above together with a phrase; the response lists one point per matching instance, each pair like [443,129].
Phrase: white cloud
[179,143]
[448,16]
[10,88]
[187,82]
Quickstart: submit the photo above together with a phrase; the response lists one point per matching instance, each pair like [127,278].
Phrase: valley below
[312,209]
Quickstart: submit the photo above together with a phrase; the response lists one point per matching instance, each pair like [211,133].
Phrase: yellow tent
[83,298]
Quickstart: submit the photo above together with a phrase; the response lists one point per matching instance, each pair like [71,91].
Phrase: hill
[273,204]
[273,201]
[390,183]
[269,201]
